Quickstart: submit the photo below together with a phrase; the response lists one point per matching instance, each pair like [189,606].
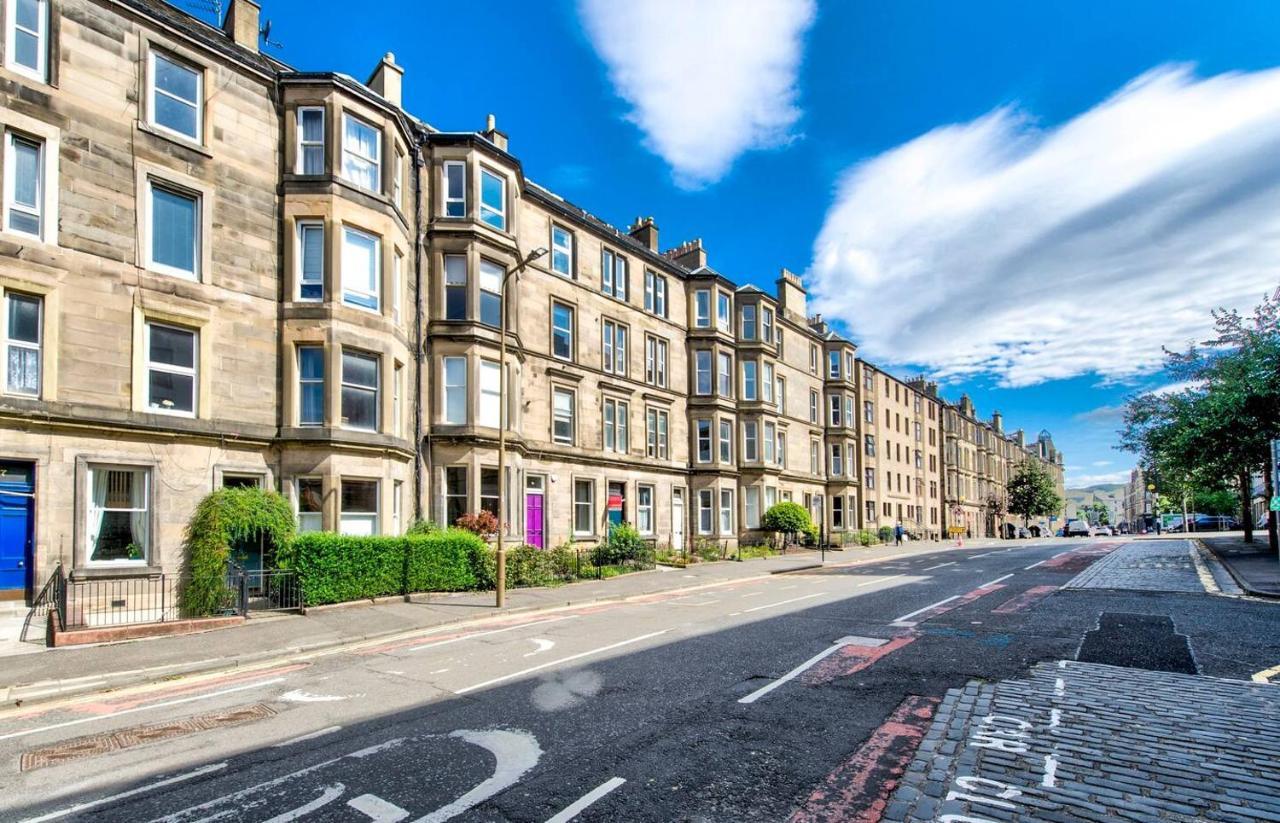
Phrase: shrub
[885,534]
[223,517]
[483,523]
[333,568]
[530,566]
[867,538]
[786,517]
[423,527]
[624,545]
[707,549]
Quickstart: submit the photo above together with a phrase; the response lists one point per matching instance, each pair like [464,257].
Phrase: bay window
[361,265]
[310,140]
[493,199]
[703,429]
[726,441]
[490,281]
[361,153]
[454,185]
[311,385]
[702,309]
[360,390]
[702,372]
[726,512]
[490,410]
[310,505]
[310,260]
[455,390]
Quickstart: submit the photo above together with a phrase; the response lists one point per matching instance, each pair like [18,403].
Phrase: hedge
[333,568]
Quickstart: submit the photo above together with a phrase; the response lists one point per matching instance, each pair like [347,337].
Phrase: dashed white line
[1055,718]
[491,631]
[1050,771]
[576,807]
[940,565]
[160,784]
[550,663]
[1033,565]
[906,617]
[993,582]
[783,602]
[797,671]
[1059,687]
[879,580]
[162,705]
[308,736]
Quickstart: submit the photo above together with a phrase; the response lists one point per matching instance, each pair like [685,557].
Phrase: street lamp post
[508,275]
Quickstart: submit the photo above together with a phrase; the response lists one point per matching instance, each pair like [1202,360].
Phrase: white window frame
[397,284]
[451,386]
[90,529]
[750,380]
[300,164]
[782,448]
[699,427]
[309,381]
[193,372]
[397,398]
[702,309]
[617,425]
[375,160]
[837,460]
[558,415]
[645,512]
[657,428]
[489,406]
[725,442]
[10,343]
[702,365]
[724,312]
[305,226]
[813,406]
[563,248]
[11,138]
[614,348]
[769,439]
[569,331]
[706,508]
[655,361]
[40,72]
[751,507]
[347,278]
[615,274]
[448,201]
[487,210]
[372,518]
[376,387]
[750,441]
[312,517]
[766,324]
[153,90]
[726,512]
[724,374]
[197,230]
[589,504]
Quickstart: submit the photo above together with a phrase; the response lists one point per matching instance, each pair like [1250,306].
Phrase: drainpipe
[418,342]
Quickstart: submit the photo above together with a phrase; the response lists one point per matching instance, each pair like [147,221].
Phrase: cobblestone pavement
[1144,565]
[1086,742]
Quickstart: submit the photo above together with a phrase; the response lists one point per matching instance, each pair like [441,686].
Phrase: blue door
[17,507]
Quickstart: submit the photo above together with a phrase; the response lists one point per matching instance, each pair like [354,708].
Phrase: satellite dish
[265,33]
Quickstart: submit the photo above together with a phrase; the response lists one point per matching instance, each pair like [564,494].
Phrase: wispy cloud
[1083,481]
[1100,463]
[1101,415]
[1082,248]
[706,79]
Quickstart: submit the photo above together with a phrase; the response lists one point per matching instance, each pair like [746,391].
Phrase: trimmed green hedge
[334,568]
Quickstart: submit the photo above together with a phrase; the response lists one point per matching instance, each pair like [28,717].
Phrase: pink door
[534,534]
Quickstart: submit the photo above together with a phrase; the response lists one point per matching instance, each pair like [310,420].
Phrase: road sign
[1275,503]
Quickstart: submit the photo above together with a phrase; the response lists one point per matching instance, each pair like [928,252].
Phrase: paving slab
[1085,741]
[1146,565]
[1254,566]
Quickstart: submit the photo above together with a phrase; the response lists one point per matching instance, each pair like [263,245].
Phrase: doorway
[677,519]
[534,523]
[17,525]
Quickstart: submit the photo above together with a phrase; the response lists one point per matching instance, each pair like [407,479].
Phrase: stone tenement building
[979,458]
[217,270]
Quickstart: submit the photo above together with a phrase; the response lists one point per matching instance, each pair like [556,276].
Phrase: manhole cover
[97,744]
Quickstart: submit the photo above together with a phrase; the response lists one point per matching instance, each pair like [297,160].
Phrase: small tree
[482,523]
[1031,492]
[222,518]
[787,518]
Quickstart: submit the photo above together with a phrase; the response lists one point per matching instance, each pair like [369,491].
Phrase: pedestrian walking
[897,534]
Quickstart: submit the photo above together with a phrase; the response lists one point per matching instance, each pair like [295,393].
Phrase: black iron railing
[94,603]
[52,599]
[270,590]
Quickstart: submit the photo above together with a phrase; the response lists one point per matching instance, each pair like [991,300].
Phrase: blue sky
[1083,179]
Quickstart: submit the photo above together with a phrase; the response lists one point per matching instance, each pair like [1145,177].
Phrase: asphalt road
[733,702]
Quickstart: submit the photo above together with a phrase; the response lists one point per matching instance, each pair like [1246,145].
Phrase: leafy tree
[788,518]
[1031,492]
[1219,430]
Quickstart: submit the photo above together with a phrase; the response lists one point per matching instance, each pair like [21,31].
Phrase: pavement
[1254,566]
[808,696]
[80,669]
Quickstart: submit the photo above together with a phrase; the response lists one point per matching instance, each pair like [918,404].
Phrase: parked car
[1076,528]
[1023,533]
[1102,531]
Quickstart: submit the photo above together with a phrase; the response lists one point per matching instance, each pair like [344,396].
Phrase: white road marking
[734,614]
[549,663]
[330,794]
[753,594]
[787,588]
[308,736]
[879,580]
[543,645]
[1265,675]
[1033,565]
[905,619]
[1050,771]
[1055,718]
[516,752]
[159,784]
[976,556]
[299,696]
[993,582]
[783,602]
[1059,687]
[940,565]
[576,807]
[439,671]
[162,705]
[492,631]
[377,809]
[798,670]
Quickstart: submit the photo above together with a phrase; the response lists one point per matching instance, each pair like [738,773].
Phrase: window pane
[455,190]
[360,269]
[311,378]
[23,370]
[490,298]
[171,391]
[24,318]
[118,520]
[173,347]
[176,97]
[492,200]
[359,391]
[312,245]
[176,79]
[174,229]
[26,173]
[490,378]
[455,382]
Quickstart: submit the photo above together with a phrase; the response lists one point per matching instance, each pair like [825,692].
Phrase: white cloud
[707,79]
[996,247]
[1084,481]
[1101,463]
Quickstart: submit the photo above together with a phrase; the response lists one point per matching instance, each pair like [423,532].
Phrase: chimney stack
[241,23]
[387,79]
[492,134]
[691,255]
[646,231]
